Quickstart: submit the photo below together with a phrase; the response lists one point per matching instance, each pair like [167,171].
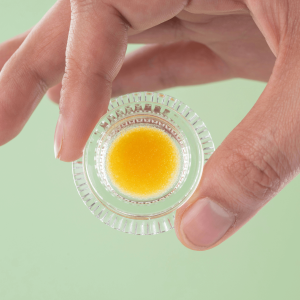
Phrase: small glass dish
[127,213]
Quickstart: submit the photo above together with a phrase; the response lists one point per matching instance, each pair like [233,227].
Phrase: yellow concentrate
[143,162]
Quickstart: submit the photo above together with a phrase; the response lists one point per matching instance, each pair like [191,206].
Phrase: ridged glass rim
[162,222]
[127,122]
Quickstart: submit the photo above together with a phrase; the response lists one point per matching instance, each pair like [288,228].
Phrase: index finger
[95,52]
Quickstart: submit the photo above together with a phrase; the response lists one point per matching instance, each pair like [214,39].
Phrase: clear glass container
[129,214]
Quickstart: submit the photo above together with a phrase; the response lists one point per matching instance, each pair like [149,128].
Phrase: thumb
[258,158]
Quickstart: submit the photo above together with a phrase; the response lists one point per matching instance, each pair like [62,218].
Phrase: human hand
[196,42]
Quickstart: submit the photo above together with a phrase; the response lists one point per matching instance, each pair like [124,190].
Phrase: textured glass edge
[131,226]
[135,226]
[100,164]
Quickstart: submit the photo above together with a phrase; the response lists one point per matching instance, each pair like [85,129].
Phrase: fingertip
[68,154]
[203,224]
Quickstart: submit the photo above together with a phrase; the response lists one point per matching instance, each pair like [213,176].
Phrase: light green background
[53,248]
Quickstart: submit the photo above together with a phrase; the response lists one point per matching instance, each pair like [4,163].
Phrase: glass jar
[124,212]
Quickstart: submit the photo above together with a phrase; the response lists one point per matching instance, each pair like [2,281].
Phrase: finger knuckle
[81,75]
[256,168]
[13,107]
[86,71]
[82,3]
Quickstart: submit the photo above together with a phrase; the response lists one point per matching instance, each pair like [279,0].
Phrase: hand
[198,41]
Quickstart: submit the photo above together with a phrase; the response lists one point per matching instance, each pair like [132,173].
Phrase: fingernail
[58,137]
[205,223]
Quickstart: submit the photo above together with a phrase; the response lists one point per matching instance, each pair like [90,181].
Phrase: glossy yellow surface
[143,162]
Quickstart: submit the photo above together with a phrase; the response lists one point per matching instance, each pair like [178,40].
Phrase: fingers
[166,32]
[258,158]
[35,66]
[96,49]
[93,59]
[8,48]
[157,67]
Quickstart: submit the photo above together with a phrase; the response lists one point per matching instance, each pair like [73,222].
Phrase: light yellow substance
[143,162]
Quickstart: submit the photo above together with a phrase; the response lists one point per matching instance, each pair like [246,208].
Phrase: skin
[77,54]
